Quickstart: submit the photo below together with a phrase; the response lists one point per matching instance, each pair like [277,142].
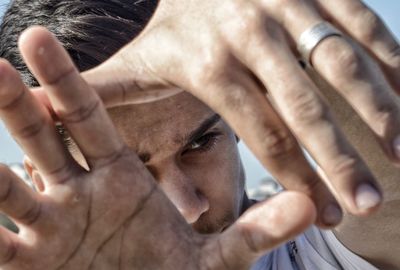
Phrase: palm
[57,231]
[113,216]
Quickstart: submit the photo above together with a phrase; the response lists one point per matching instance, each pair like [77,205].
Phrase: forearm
[375,238]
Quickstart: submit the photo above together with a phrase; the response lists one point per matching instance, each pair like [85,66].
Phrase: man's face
[192,154]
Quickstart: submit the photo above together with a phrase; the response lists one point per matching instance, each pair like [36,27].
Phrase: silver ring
[311,37]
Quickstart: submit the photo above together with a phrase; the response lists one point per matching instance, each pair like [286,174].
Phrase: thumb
[262,228]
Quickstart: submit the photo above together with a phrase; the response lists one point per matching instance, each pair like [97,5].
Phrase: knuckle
[343,61]
[9,99]
[59,79]
[209,65]
[277,144]
[384,117]
[31,130]
[305,108]
[344,165]
[370,26]
[348,62]
[242,17]
[236,98]
[80,114]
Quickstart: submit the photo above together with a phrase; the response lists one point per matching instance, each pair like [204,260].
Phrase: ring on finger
[313,36]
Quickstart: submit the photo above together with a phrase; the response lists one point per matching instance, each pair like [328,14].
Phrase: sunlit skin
[100,144]
[109,211]
[193,155]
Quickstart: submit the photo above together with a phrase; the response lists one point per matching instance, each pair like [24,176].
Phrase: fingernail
[367,197]
[396,144]
[332,214]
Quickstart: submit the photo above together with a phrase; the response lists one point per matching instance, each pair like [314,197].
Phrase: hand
[232,54]
[113,216]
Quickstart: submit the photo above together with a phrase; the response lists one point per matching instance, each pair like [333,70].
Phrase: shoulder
[315,249]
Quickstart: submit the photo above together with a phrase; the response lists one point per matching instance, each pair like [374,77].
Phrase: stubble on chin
[206,225]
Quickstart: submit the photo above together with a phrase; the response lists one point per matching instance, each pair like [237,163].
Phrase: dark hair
[90,30]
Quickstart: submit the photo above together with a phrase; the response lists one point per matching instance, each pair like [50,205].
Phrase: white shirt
[313,250]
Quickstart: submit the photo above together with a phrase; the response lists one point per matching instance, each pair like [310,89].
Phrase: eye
[204,143]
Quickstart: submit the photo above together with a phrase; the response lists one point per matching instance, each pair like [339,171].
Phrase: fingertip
[330,216]
[31,35]
[265,226]
[367,199]
[284,215]
[300,206]
[44,55]
[37,44]
[277,220]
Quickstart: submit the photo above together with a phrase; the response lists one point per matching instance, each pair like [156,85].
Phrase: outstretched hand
[232,54]
[112,216]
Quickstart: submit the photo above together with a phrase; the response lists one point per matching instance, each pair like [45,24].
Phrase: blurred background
[389,10]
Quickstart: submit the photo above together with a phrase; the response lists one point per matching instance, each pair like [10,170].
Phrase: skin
[113,216]
[365,68]
[156,144]
[235,63]
[191,153]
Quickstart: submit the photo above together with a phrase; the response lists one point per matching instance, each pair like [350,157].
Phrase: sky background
[389,10]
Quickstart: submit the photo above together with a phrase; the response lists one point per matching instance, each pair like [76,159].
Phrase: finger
[249,114]
[17,200]
[73,101]
[30,124]
[243,104]
[8,248]
[361,82]
[353,74]
[305,112]
[360,22]
[262,228]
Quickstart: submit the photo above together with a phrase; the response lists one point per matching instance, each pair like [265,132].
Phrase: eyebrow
[201,129]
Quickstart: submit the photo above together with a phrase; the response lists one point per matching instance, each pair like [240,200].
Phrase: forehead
[159,123]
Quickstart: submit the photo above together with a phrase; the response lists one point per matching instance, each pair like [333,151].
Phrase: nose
[184,194]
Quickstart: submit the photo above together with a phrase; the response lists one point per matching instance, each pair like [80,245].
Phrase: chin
[211,228]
